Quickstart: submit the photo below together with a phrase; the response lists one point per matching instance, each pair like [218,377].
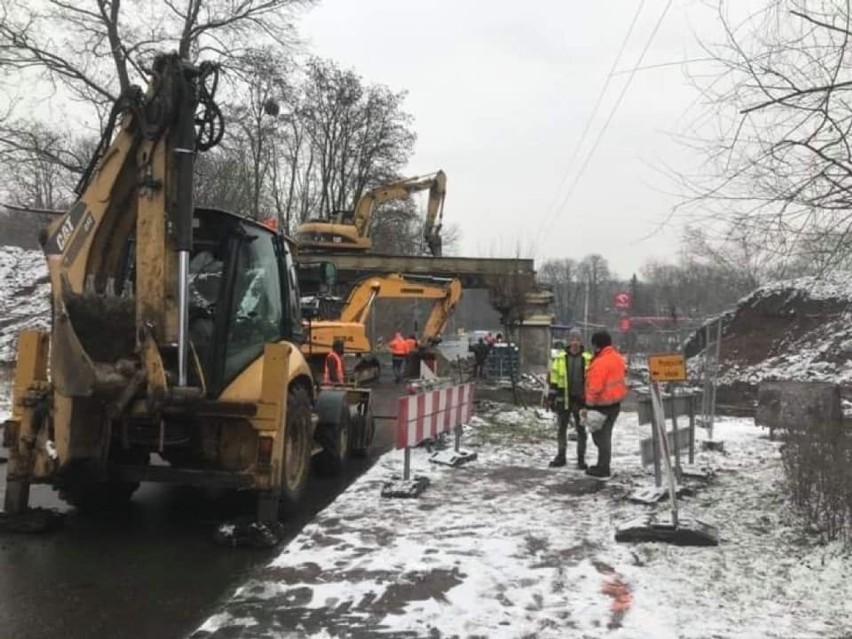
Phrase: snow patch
[24,296]
[506,547]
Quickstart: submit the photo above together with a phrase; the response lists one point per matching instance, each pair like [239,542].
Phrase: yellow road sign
[667,367]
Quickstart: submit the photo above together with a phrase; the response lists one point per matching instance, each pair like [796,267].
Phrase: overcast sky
[501,91]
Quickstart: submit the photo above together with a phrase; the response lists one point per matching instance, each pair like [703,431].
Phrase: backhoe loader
[175,329]
[347,321]
[349,231]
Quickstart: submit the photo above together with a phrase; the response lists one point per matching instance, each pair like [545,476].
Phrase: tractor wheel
[362,431]
[297,448]
[333,436]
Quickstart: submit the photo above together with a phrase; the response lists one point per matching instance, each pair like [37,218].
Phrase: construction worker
[567,382]
[333,371]
[411,365]
[606,388]
[411,343]
[480,357]
[399,351]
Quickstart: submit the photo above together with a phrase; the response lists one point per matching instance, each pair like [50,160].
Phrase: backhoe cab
[349,231]
[175,330]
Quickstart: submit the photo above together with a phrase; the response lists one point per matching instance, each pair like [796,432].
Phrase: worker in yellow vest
[567,380]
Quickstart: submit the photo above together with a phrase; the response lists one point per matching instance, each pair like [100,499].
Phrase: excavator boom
[350,325]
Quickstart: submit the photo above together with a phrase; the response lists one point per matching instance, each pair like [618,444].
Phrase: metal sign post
[659,424]
[682,529]
[671,368]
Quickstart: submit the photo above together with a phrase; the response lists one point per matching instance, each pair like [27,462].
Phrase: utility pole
[586,314]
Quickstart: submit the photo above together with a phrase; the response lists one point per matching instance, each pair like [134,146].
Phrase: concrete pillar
[534,337]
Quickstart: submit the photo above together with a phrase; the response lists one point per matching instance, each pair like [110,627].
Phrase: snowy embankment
[24,296]
[506,547]
[795,330]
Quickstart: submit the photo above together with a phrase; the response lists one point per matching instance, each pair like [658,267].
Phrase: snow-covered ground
[24,296]
[506,547]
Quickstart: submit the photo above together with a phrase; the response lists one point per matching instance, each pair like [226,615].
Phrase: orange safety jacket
[605,379]
[398,346]
[333,370]
[411,345]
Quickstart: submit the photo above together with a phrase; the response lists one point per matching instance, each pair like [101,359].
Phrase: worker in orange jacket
[333,371]
[399,351]
[606,387]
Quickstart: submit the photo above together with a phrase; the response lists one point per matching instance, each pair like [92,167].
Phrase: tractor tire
[297,449]
[333,435]
[361,433]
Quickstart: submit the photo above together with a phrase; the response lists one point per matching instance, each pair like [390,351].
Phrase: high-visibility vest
[398,347]
[333,370]
[606,382]
[559,372]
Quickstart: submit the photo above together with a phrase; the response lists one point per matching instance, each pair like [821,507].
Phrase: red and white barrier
[431,413]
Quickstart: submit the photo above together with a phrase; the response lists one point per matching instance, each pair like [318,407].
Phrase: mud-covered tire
[297,449]
[361,433]
[94,496]
[334,438]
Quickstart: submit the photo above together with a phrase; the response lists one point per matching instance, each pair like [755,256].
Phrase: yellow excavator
[174,330]
[348,323]
[349,231]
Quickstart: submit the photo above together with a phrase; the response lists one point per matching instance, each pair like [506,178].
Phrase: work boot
[581,465]
[558,461]
[597,471]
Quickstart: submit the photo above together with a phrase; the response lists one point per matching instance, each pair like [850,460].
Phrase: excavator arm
[442,310]
[350,325]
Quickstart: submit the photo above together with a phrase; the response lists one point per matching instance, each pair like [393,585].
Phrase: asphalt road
[150,571]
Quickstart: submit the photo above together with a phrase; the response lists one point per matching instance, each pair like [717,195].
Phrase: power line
[613,111]
[552,209]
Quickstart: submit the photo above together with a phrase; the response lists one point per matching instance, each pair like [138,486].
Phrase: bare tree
[97,48]
[780,163]
[359,134]
[595,279]
[561,277]
[38,164]
[92,51]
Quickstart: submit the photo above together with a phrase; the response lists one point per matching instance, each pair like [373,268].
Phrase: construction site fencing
[503,362]
[429,414]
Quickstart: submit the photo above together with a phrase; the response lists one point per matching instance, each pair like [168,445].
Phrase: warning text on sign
[667,367]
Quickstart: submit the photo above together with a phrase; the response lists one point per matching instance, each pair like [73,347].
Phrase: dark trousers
[575,404]
[479,370]
[397,362]
[603,436]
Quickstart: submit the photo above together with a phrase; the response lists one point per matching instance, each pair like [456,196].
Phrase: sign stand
[678,528]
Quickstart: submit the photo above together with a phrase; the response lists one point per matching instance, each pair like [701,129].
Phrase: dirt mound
[793,330]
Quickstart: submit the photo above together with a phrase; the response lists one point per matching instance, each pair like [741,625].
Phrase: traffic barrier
[427,415]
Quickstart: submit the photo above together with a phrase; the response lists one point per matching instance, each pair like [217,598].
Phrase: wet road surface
[152,570]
